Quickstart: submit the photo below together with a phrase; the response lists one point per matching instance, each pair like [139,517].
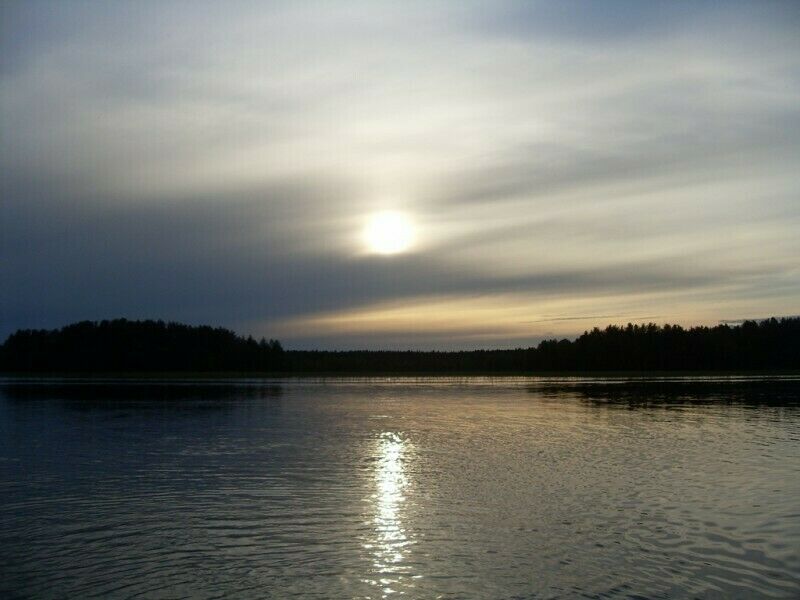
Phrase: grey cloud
[547,170]
[615,21]
[596,317]
[217,263]
[209,163]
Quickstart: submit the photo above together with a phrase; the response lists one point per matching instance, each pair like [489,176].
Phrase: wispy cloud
[203,163]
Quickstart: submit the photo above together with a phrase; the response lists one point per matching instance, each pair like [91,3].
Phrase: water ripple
[494,488]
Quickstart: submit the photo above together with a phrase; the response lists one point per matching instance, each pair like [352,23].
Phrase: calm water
[481,488]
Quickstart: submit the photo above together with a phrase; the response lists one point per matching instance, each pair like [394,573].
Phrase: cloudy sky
[556,166]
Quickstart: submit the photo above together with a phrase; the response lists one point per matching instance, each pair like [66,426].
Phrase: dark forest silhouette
[122,345]
[155,346]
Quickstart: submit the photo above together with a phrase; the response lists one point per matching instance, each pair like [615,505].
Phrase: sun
[389,232]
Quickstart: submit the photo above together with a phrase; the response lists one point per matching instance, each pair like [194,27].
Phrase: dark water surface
[378,488]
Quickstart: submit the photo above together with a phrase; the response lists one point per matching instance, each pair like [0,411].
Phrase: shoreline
[239,375]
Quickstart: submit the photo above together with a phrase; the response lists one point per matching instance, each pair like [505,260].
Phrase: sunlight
[388,232]
[390,544]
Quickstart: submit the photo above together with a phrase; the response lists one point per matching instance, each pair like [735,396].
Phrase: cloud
[217,164]
[240,261]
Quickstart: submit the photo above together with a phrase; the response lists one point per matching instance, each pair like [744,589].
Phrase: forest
[123,345]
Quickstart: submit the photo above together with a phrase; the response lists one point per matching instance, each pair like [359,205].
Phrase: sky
[556,166]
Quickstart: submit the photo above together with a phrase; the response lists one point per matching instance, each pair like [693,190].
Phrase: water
[379,488]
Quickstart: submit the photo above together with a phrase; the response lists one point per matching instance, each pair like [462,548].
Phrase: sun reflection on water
[391,541]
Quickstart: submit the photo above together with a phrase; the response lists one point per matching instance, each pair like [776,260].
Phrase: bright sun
[389,232]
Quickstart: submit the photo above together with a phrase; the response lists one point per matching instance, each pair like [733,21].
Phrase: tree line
[123,345]
[135,346]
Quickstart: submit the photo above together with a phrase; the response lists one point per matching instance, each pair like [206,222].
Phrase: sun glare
[389,232]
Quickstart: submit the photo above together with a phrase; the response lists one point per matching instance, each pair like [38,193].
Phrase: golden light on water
[388,232]
[390,544]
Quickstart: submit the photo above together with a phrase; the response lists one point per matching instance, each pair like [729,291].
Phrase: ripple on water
[375,489]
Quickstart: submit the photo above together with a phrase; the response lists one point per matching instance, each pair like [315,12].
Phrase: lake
[401,488]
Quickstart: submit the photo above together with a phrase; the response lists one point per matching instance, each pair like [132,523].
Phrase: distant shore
[158,347]
[210,375]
